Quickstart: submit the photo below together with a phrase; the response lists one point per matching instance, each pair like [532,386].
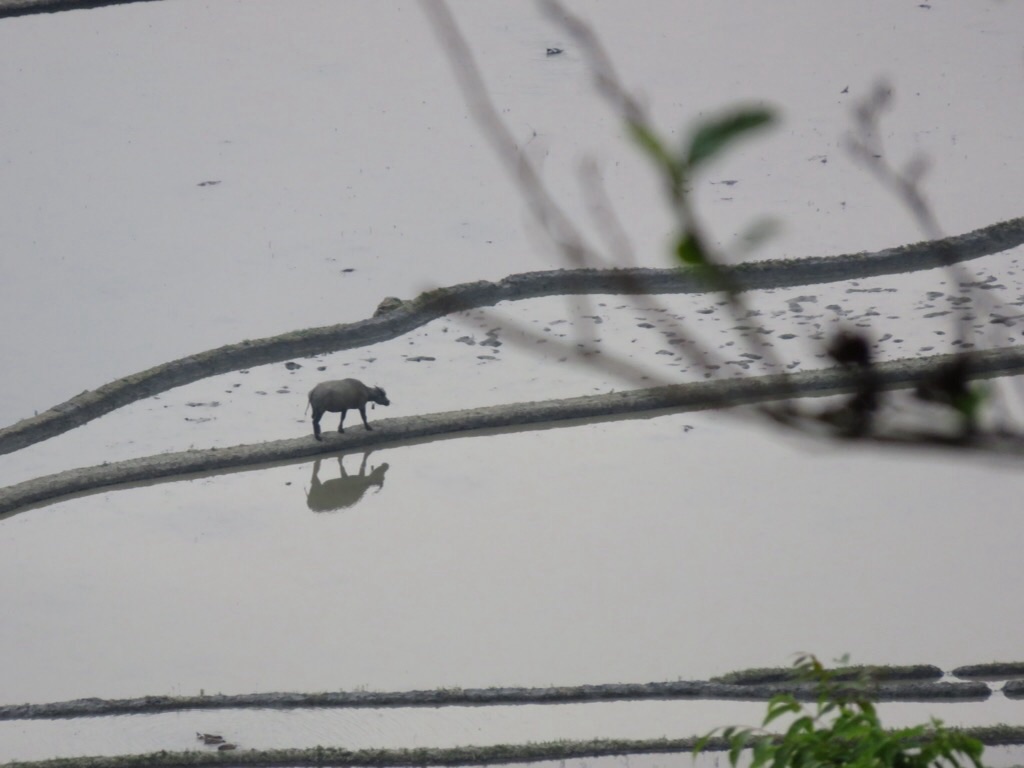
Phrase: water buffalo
[341,395]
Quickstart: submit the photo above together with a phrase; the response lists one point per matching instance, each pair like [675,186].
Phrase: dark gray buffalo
[341,395]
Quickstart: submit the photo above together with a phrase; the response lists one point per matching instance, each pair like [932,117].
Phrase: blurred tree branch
[864,414]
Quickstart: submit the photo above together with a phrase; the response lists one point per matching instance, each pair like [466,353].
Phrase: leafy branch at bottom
[842,729]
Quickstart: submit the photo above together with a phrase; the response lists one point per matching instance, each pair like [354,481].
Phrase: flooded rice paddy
[169,188]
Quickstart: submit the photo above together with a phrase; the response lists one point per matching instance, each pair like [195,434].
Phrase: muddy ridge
[444,756]
[452,697]
[677,398]
[401,317]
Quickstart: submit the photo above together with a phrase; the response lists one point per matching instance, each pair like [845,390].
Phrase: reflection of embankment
[679,397]
[437,303]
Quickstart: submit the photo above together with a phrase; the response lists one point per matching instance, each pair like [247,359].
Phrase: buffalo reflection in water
[345,491]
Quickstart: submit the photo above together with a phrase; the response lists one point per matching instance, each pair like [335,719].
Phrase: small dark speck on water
[554,51]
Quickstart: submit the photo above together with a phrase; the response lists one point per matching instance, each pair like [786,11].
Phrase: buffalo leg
[341,421]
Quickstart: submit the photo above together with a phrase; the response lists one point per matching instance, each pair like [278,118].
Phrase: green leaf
[763,751]
[690,251]
[714,134]
[868,709]
[970,403]
[783,755]
[781,705]
[800,724]
[702,742]
[739,742]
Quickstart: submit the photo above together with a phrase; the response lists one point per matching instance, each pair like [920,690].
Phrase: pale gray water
[495,561]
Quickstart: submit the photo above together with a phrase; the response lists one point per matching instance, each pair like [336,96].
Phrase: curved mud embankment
[679,397]
[443,301]
[472,697]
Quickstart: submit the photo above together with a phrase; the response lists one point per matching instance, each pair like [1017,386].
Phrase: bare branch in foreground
[862,414]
